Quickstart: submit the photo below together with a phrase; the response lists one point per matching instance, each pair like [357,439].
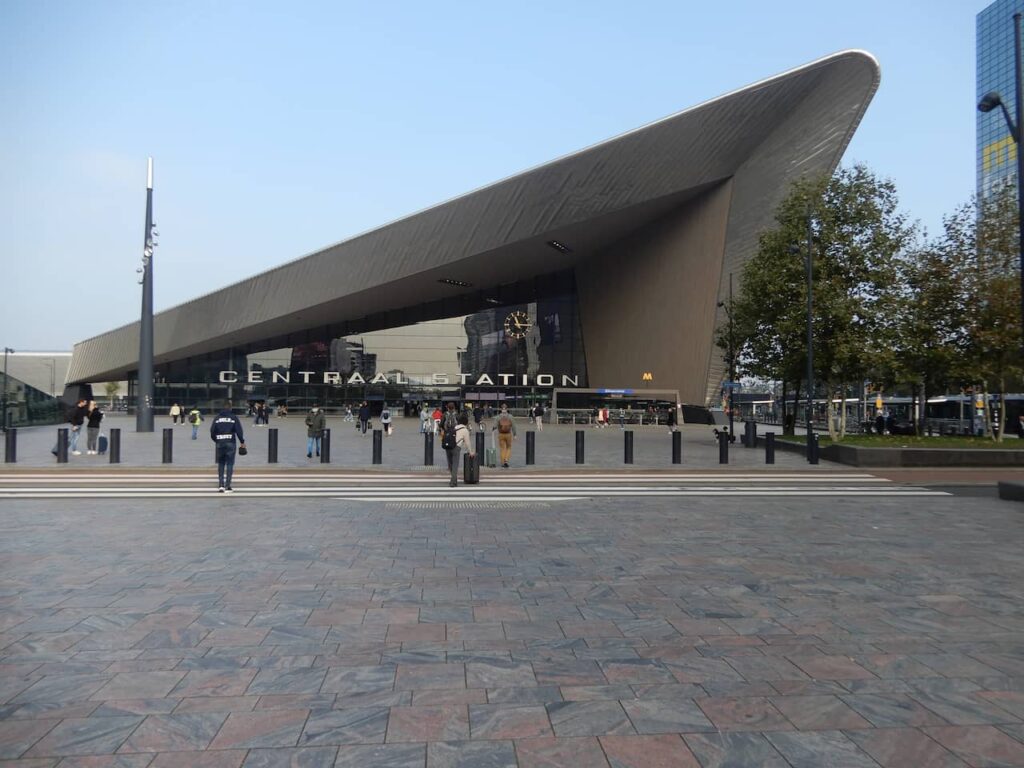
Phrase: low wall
[861,456]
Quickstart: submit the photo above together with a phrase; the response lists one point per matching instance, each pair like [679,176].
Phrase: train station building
[595,276]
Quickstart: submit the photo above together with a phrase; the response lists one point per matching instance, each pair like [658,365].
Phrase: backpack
[448,425]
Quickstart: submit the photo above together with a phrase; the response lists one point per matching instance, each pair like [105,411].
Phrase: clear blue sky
[280,128]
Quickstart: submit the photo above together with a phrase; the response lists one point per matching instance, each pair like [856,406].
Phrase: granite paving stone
[588,718]
[88,736]
[901,747]
[980,745]
[471,754]
[428,723]
[819,713]
[651,716]
[750,713]
[16,736]
[174,733]
[659,751]
[560,753]
[499,721]
[818,748]
[302,757]
[251,730]
[361,725]
[382,756]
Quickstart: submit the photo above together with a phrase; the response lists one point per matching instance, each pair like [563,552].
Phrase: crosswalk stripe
[403,479]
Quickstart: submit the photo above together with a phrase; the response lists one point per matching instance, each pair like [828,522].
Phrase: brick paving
[696,633]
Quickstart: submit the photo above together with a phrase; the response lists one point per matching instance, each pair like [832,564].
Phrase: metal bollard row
[531,448]
[11,446]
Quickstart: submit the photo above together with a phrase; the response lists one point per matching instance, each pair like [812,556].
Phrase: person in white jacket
[463,440]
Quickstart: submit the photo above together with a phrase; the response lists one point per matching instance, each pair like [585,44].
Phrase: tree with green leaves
[856,232]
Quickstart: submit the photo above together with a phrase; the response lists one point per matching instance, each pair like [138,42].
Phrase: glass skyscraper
[996,151]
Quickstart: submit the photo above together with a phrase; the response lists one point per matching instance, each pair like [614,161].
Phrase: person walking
[385,420]
[448,424]
[175,412]
[195,418]
[226,427]
[538,417]
[672,417]
[622,418]
[94,416]
[316,423]
[76,418]
[436,417]
[506,429]
[425,420]
[364,416]
[462,441]
[478,418]
[348,414]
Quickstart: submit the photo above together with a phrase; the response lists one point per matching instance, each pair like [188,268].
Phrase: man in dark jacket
[316,423]
[223,431]
[364,416]
[76,418]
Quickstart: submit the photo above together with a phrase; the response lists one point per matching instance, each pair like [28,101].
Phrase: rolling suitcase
[471,470]
[491,454]
[101,444]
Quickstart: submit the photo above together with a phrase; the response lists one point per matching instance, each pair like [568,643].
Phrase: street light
[795,249]
[144,406]
[732,358]
[3,413]
[990,101]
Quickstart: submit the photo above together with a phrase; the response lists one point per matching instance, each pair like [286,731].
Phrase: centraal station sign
[335,378]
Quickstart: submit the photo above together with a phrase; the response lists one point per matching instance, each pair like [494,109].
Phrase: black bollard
[677,447]
[428,449]
[480,446]
[628,457]
[272,446]
[531,447]
[769,448]
[168,446]
[579,446]
[723,447]
[325,447]
[62,445]
[115,446]
[11,446]
[812,448]
[378,446]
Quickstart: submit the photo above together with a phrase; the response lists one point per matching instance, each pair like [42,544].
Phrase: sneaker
[76,453]
[221,489]
[505,465]
[309,455]
[318,453]
[229,489]
[451,484]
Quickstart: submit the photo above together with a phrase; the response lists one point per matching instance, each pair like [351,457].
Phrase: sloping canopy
[760,137]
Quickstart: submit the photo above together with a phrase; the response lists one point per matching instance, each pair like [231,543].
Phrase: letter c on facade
[228,377]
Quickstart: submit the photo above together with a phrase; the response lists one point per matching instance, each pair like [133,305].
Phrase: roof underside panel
[473,236]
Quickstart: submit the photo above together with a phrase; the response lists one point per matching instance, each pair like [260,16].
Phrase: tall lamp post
[732,359]
[144,395]
[3,413]
[990,101]
[808,269]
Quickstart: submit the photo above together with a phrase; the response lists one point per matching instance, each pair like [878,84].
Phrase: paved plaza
[555,446]
[706,630]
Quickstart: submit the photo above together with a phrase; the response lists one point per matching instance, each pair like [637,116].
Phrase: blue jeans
[310,442]
[195,431]
[73,435]
[225,464]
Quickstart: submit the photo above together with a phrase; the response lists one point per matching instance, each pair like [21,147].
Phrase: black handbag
[242,450]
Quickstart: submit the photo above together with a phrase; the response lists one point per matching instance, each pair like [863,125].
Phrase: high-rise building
[997,152]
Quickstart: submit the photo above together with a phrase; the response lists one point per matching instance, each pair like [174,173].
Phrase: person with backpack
[195,418]
[448,424]
[316,423]
[506,429]
[385,420]
[223,431]
[364,416]
[94,416]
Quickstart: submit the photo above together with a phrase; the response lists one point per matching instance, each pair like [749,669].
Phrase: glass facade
[513,352]
[996,150]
